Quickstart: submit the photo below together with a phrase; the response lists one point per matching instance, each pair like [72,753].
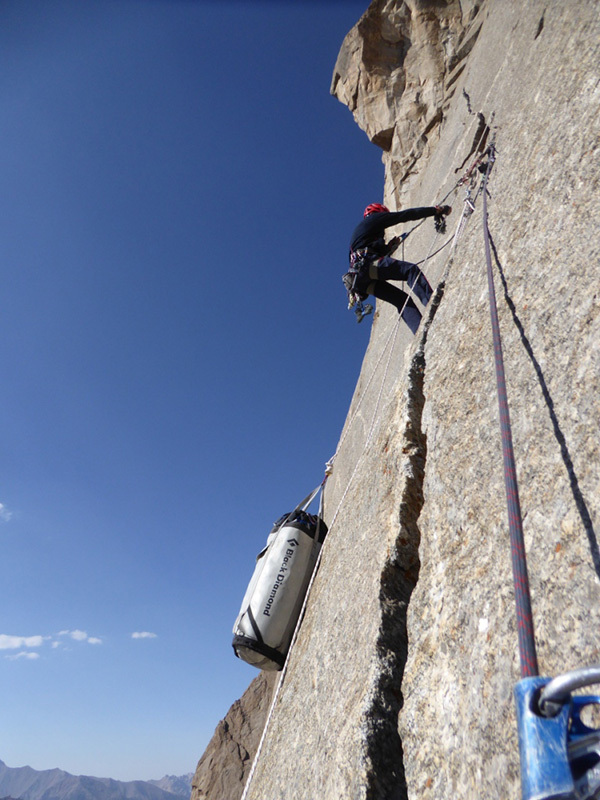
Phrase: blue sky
[178,192]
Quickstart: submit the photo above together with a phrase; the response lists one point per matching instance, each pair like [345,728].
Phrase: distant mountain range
[180,785]
[25,783]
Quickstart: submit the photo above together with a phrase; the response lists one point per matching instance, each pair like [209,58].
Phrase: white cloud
[5,514]
[77,636]
[15,642]
[9,642]
[144,635]
[24,654]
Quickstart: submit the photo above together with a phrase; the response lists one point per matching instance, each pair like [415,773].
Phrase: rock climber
[371,265]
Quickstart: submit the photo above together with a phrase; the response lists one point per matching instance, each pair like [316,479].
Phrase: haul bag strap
[255,627]
[304,504]
[258,647]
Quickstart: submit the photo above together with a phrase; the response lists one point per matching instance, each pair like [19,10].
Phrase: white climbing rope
[328,471]
[392,333]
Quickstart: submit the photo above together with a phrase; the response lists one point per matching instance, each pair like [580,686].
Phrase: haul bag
[271,606]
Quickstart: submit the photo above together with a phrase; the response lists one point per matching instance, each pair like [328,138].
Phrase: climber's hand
[443,211]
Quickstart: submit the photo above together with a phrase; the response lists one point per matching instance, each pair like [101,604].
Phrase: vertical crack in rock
[385,772]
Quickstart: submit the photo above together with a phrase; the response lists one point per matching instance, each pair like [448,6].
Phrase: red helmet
[375,208]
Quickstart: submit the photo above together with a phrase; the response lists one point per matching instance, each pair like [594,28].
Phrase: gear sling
[360,260]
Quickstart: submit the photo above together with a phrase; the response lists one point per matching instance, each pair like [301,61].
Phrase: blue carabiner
[560,754]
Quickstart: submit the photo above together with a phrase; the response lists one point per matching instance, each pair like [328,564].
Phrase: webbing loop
[304,504]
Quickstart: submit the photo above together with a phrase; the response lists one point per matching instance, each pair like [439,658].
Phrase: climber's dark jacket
[369,232]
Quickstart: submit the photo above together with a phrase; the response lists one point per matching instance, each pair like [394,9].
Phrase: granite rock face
[400,683]
[397,71]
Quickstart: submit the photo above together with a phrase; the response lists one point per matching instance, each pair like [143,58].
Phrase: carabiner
[560,754]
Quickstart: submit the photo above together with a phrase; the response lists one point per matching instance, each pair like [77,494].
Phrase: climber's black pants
[405,305]
[390,269]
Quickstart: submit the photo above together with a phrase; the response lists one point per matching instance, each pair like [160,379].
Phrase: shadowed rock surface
[400,683]
[224,766]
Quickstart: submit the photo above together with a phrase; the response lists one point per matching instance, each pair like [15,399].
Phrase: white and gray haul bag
[271,606]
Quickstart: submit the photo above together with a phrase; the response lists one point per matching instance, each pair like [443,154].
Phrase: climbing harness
[360,261]
[559,753]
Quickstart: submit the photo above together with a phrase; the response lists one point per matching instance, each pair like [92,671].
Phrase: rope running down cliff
[527,652]
[467,211]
